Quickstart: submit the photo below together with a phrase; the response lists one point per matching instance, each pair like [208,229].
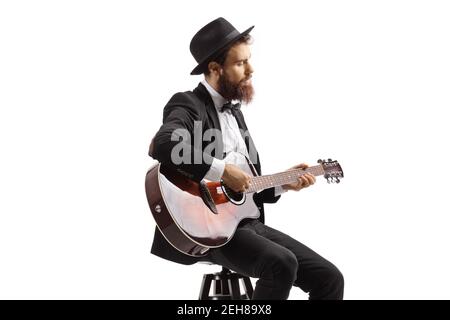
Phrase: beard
[235,91]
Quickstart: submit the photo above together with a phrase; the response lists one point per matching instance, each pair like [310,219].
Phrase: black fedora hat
[210,41]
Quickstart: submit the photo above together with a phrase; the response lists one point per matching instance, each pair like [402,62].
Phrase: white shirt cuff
[279,190]
[216,170]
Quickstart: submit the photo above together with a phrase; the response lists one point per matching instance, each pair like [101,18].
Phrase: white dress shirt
[232,138]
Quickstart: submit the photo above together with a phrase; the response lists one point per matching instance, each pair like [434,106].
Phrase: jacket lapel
[204,96]
[202,93]
[247,138]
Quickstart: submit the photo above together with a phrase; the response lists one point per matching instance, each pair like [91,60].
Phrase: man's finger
[311,178]
[299,166]
[305,181]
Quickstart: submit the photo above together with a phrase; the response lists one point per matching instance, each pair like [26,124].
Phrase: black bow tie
[231,106]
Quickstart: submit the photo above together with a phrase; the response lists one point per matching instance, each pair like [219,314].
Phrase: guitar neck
[259,183]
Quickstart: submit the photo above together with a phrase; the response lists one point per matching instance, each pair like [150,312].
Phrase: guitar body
[194,217]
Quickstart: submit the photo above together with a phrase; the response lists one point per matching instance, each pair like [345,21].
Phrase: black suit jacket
[180,113]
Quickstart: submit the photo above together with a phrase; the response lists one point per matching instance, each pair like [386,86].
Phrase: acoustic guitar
[195,217]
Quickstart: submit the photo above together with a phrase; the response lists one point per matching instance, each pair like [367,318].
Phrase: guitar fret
[263,182]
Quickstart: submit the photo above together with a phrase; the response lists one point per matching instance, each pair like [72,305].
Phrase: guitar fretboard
[259,183]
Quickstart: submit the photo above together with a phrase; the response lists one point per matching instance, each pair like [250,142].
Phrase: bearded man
[255,250]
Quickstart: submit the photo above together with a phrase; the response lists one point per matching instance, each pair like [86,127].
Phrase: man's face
[235,77]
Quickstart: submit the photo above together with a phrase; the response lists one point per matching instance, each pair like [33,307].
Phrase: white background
[82,88]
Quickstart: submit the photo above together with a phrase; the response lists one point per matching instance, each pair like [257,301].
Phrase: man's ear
[214,68]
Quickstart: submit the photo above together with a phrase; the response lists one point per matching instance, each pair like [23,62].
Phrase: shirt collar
[218,100]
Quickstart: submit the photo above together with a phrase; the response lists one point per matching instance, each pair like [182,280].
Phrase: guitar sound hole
[237,198]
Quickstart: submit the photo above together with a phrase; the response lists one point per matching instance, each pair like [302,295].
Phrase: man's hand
[235,178]
[304,181]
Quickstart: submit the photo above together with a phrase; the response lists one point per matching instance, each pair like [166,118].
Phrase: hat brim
[200,68]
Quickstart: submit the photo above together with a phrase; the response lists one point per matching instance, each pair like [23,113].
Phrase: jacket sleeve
[177,130]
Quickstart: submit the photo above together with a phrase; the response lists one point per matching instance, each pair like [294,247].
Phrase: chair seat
[226,286]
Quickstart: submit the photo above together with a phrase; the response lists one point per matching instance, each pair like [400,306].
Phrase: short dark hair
[222,56]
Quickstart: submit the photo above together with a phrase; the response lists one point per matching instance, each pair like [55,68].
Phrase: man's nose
[249,70]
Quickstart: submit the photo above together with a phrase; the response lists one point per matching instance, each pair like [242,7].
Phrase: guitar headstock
[332,170]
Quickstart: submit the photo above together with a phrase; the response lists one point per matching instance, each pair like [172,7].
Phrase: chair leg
[205,287]
[221,287]
[248,287]
[217,288]
[226,286]
[233,283]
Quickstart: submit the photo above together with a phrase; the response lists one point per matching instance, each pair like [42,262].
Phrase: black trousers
[279,262]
